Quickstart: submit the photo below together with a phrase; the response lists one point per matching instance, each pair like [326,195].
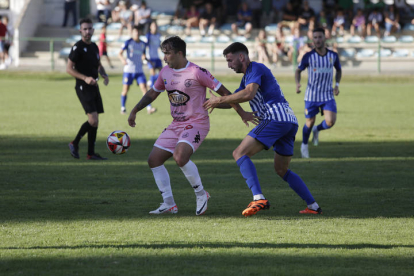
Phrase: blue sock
[323,126]
[123,100]
[297,184]
[306,133]
[248,170]
[153,79]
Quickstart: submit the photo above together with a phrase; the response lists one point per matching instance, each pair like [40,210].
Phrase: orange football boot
[255,206]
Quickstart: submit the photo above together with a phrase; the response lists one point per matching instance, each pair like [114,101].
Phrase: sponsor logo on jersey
[188,127]
[176,75]
[322,70]
[188,83]
[185,135]
[173,82]
[178,98]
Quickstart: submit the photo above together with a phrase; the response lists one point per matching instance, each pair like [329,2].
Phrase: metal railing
[52,40]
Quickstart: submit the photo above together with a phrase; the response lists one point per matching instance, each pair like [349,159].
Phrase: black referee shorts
[90,98]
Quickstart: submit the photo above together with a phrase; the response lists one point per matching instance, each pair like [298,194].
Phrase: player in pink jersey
[186,85]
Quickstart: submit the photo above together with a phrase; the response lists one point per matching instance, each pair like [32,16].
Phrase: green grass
[61,216]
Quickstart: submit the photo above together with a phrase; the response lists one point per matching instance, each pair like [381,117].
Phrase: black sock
[82,131]
[91,140]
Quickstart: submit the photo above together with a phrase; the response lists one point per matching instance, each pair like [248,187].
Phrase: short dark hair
[85,20]
[174,43]
[319,30]
[235,48]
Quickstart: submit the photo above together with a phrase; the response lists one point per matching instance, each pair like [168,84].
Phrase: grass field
[61,216]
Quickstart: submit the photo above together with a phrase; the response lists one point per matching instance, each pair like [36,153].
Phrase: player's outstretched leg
[248,170]
[191,173]
[297,184]
[162,179]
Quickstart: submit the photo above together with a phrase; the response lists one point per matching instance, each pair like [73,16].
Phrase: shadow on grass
[41,181]
[207,261]
[202,245]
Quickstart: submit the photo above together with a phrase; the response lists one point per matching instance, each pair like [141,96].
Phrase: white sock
[162,179]
[313,206]
[191,173]
[149,107]
[258,197]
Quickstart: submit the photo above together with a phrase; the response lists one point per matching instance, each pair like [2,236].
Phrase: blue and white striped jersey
[154,42]
[134,51]
[269,101]
[320,75]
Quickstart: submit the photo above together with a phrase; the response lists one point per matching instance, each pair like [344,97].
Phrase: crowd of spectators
[336,16]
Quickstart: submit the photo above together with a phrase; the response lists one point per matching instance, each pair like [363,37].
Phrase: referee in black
[84,64]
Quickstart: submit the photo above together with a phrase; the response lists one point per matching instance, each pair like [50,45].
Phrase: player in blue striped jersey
[153,44]
[277,128]
[319,92]
[135,54]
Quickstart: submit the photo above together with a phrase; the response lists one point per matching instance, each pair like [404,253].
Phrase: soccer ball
[118,142]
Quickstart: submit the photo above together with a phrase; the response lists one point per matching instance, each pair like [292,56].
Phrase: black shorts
[90,98]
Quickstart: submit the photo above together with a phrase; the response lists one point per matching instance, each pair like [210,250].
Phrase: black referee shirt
[86,58]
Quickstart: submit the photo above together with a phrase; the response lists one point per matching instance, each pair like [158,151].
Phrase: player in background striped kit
[153,44]
[135,54]
[277,128]
[319,92]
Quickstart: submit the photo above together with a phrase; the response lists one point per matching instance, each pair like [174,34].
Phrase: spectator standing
[244,19]
[70,7]
[143,17]
[358,22]
[207,18]
[104,9]
[392,20]
[8,41]
[374,20]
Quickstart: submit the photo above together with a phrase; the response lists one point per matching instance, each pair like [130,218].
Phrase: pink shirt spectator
[186,89]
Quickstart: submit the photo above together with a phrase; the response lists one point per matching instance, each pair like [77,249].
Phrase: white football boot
[165,209]
[304,150]
[202,203]
[315,138]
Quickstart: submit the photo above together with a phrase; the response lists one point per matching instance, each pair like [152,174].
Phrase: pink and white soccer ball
[118,142]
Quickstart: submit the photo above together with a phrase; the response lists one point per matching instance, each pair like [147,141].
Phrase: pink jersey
[186,89]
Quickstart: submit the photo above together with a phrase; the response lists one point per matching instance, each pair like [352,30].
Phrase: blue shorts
[128,78]
[157,63]
[277,134]
[312,108]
